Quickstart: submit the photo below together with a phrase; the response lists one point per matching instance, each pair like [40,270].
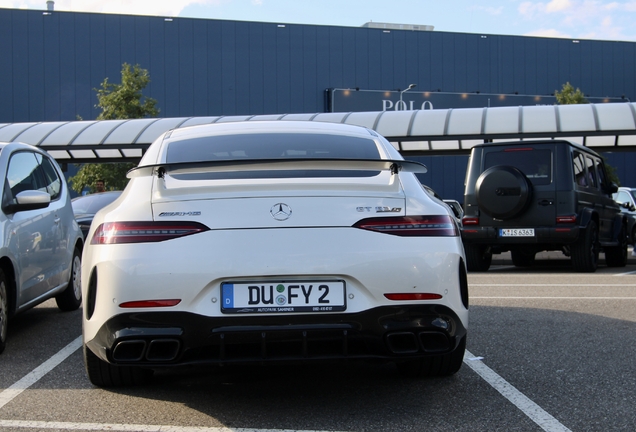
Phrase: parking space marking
[34,376]
[550,285]
[549,298]
[129,427]
[626,274]
[529,408]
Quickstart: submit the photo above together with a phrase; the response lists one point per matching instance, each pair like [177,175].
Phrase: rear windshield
[536,164]
[272,146]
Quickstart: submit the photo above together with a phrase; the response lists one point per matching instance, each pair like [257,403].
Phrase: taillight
[144,232]
[566,219]
[470,221]
[431,226]
[518,149]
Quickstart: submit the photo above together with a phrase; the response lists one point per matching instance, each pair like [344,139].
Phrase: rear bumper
[163,339]
[543,235]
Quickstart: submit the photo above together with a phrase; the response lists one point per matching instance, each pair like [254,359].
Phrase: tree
[568,95]
[113,174]
[117,101]
[124,101]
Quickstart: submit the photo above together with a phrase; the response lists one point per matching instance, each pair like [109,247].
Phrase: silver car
[41,242]
[626,197]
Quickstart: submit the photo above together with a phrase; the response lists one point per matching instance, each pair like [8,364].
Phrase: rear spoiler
[287,164]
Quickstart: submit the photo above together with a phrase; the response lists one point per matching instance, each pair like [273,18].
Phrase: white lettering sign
[402,105]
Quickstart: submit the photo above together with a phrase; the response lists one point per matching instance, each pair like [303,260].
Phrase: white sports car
[272,242]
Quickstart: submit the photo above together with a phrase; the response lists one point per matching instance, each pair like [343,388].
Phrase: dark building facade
[54,61]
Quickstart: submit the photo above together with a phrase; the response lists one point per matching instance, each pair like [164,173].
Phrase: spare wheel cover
[503,192]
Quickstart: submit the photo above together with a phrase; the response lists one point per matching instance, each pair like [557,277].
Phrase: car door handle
[545,202]
[57,220]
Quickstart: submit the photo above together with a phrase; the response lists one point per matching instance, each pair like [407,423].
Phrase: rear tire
[442,365]
[586,249]
[522,258]
[616,256]
[478,257]
[103,374]
[71,298]
[4,311]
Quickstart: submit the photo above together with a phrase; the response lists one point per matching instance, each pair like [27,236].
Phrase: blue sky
[575,19]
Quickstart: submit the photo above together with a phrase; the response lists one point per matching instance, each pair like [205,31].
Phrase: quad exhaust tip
[156,350]
[410,342]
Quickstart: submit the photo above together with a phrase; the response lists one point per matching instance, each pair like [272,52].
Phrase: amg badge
[172,214]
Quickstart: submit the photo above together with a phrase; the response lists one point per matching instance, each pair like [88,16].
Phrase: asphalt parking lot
[548,349]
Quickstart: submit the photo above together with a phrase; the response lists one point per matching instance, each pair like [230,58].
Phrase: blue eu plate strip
[228,296]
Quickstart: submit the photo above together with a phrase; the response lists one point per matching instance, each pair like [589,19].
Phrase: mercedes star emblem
[281,211]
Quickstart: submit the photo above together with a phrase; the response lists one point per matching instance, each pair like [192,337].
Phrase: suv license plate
[517,232]
[283,297]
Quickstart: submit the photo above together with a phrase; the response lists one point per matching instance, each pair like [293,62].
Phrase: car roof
[269,127]
[539,142]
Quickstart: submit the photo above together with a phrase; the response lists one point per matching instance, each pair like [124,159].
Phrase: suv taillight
[144,232]
[566,219]
[470,221]
[407,226]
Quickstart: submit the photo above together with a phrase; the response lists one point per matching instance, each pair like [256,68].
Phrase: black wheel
[103,374]
[443,365]
[478,257]
[4,311]
[503,192]
[632,239]
[586,249]
[522,257]
[616,256]
[71,298]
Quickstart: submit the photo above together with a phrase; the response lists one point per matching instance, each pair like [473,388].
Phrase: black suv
[531,196]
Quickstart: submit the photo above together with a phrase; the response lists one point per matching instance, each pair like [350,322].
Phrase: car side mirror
[613,188]
[28,200]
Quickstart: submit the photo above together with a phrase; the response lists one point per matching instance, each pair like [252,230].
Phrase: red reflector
[144,232]
[566,219]
[563,229]
[413,296]
[470,221]
[150,303]
[433,226]
[518,149]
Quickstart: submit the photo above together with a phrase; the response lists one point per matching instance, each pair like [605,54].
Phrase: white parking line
[532,410]
[529,408]
[549,285]
[34,376]
[550,298]
[625,274]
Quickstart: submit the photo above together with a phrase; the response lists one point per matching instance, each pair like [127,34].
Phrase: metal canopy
[610,126]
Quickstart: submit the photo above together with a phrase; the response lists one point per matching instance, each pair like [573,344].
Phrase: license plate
[517,232]
[283,297]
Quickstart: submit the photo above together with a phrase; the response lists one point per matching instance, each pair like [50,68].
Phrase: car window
[578,162]
[23,173]
[622,197]
[591,172]
[536,164]
[52,180]
[272,146]
[602,177]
